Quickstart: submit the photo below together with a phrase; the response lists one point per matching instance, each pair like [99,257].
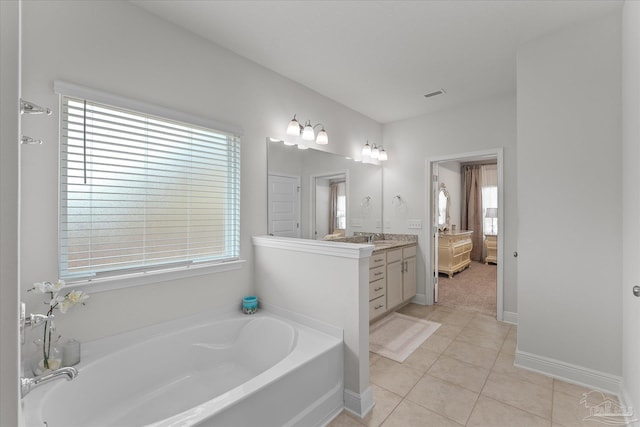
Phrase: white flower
[48,286]
[71,299]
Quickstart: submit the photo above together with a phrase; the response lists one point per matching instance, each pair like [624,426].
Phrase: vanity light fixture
[307,131]
[366,150]
[375,152]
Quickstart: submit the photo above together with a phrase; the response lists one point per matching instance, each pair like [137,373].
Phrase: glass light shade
[294,127]
[383,155]
[323,138]
[366,150]
[302,147]
[288,143]
[375,153]
[308,134]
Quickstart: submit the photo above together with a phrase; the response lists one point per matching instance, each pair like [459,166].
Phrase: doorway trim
[496,153]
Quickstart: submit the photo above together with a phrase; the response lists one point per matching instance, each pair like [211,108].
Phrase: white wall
[631,202]
[471,128]
[9,208]
[450,174]
[339,296]
[117,47]
[569,162]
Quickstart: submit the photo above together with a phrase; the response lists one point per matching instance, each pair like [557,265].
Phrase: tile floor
[463,375]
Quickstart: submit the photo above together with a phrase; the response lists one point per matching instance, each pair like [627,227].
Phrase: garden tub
[207,370]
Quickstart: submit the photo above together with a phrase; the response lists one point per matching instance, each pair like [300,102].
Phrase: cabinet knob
[636,290]
[515,254]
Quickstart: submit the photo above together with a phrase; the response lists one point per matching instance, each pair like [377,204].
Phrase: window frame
[135,278]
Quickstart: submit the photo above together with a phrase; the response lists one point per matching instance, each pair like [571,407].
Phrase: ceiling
[380,57]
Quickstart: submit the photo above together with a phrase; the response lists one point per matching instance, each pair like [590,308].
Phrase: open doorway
[329,205]
[466,254]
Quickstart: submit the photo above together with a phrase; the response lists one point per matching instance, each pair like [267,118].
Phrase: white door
[435,188]
[284,205]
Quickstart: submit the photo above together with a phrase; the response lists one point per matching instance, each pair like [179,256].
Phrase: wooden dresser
[454,251]
[491,248]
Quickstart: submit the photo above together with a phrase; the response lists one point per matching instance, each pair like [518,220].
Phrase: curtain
[472,218]
[333,207]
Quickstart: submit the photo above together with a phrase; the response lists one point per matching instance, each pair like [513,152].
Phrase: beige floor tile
[458,318]
[569,411]
[504,365]
[491,413]
[436,343]
[463,374]
[385,403]
[444,398]
[344,420]
[481,338]
[373,358]
[579,391]
[465,352]
[393,376]
[409,414]
[439,315]
[448,331]
[417,310]
[533,398]
[510,345]
[490,325]
[421,359]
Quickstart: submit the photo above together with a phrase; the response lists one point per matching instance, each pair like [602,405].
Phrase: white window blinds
[141,193]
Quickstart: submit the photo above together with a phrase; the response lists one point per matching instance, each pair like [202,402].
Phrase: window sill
[138,279]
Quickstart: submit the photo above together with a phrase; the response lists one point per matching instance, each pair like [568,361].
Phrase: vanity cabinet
[399,279]
[409,278]
[454,251]
[395,268]
[491,248]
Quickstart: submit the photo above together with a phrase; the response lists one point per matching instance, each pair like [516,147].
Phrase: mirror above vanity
[315,194]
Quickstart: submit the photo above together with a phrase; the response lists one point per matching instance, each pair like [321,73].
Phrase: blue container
[250,304]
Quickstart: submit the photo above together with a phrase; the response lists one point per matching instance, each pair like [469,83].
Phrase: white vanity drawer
[408,252]
[378,260]
[377,289]
[377,273]
[394,255]
[377,307]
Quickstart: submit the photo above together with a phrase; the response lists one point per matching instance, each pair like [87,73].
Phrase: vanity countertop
[383,245]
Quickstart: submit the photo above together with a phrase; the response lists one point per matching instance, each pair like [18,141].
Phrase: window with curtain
[341,212]
[142,193]
[490,198]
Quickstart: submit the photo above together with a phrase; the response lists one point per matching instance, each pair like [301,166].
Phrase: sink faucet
[28,384]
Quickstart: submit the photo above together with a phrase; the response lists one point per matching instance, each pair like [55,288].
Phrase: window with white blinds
[141,193]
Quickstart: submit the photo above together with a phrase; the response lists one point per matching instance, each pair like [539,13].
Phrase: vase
[37,361]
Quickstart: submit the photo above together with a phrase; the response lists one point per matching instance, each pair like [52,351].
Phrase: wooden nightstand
[491,248]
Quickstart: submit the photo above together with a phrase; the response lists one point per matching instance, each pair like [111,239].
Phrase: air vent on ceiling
[435,93]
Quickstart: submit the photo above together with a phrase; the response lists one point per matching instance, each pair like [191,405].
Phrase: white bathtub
[231,370]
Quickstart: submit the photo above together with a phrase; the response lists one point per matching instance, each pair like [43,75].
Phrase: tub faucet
[28,384]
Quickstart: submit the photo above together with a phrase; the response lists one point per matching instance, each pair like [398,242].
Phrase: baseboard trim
[420,299]
[358,404]
[569,372]
[510,317]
